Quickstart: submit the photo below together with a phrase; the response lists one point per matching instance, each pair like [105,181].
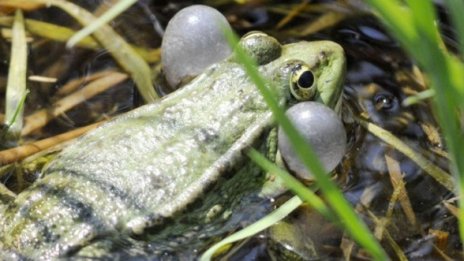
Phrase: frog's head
[306,70]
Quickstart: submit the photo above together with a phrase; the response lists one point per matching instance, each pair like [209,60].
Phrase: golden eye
[303,83]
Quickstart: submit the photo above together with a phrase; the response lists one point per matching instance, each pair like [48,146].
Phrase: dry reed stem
[21,152]
[397,182]
[40,118]
[74,84]
[292,14]
[444,178]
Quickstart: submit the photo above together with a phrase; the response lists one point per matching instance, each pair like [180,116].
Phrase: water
[380,76]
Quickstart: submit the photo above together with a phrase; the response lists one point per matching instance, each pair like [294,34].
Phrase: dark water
[380,76]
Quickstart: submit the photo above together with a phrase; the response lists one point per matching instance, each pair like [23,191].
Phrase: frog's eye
[302,83]
[386,102]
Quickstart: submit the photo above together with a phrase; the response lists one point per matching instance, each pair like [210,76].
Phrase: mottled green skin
[150,163]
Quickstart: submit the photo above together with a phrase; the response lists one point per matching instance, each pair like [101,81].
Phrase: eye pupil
[302,82]
[306,79]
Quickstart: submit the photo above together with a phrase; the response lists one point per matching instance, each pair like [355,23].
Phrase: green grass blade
[354,226]
[277,215]
[455,8]
[16,86]
[423,14]
[18,112]
[292,183]
[399,16]
[413,99]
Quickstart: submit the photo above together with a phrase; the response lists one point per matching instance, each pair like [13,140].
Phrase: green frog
[145,167]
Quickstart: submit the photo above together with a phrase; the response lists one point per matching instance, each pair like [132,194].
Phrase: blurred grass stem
[112,13]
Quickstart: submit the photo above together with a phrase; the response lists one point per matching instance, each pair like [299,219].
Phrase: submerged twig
[41,117]
[42,79]
[326,20]
[451,208]
[74,84]
[437,173]
[5,191]
[19,153]
[398,184]
[442,254]
[292,14]
[386,234]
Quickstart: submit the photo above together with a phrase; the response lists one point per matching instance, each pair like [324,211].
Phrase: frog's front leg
[273,186]
[271,145]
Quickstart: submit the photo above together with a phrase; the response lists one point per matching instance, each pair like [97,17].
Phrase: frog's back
[140,167]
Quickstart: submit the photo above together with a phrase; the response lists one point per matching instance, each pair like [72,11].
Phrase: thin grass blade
[16,86]
[277,215]
[301,190]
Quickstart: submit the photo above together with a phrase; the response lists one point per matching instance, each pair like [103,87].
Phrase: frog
[144,167]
